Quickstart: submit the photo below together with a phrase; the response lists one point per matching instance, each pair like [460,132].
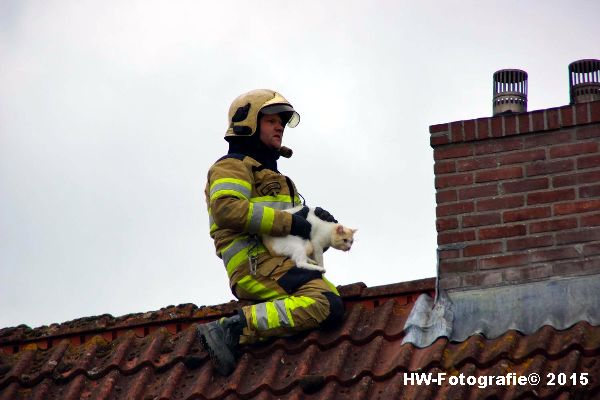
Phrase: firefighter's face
[271,131]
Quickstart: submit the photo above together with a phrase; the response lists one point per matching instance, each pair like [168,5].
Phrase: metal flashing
[491,312]
[560,303]
[429,320]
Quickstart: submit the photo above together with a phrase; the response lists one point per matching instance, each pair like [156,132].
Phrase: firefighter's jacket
[245,199]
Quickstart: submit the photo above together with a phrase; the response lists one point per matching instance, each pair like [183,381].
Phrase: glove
[300,226]
[324,215]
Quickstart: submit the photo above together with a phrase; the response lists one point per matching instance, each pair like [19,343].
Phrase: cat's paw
[311,267]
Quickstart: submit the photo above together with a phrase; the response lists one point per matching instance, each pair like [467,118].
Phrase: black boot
[220,339]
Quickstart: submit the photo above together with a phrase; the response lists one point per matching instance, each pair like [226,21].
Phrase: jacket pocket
[267,264]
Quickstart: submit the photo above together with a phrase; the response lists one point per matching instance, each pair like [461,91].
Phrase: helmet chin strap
[285,152]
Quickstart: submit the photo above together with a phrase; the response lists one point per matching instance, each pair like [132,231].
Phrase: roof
[156,356]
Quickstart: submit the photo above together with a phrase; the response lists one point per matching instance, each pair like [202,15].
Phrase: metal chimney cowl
[510,91]
[584,81]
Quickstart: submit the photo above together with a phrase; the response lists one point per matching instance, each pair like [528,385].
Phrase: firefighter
[245,195]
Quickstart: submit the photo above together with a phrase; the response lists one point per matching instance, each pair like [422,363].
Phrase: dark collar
[252,146]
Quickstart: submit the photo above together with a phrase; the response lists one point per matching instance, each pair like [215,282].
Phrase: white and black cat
[323,234]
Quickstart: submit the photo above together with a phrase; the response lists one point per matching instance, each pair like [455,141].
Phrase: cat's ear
[340,230]
[354,231]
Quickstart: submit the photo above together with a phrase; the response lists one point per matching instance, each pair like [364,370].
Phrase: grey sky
[111,112]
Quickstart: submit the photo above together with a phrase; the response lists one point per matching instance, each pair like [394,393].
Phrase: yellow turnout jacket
[245,198]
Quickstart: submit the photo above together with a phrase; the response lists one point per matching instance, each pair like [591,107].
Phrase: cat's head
[342,238]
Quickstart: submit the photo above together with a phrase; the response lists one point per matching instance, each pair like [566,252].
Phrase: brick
[504,261]
[590,220]
[450,282]
[588,162]
[499,174]
[554,254]
[522,156]
[456,131]
[577,207]
[444,167]
[502,232]
[496,123]
[482,279]
[446,224]
[457,151]
[481,219]
[591,249]
[581,113]
[526,273]
[581,267]
[497,146]
[581,236]
[564,180]
[483,130]
[549,167]
[439,140]
[482,249]
[458,266]
[589,191]
[553,225]
[446,196]
[455,237]
[525,214]
[547,139]
[525,185]
[449,254]
[438,128]
[567,116]
[587,132]
[524,123]
[469,130]
[537,119]
[476,163]
[595,111]
[552,196]
[453,180]
[552,121]
[576,179]
[478,191]
[500,203]
[530,242]
[573,149]
[510,125]
[454,209]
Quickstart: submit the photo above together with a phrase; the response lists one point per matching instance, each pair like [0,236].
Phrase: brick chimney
[518,196]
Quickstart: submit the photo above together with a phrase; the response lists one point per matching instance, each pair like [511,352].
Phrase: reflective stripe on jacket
[244,198]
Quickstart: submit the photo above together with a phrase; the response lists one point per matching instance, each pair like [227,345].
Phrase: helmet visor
[290,117]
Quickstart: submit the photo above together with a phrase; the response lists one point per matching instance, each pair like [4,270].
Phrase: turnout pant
[291,299]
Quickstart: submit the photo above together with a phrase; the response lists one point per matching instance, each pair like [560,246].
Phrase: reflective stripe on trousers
[276,314]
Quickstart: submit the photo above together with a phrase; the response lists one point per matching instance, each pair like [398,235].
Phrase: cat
[323,234]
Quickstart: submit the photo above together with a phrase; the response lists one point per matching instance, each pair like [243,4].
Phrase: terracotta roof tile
[363,358]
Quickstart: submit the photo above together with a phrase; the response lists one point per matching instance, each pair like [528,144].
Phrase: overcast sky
[111,113]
